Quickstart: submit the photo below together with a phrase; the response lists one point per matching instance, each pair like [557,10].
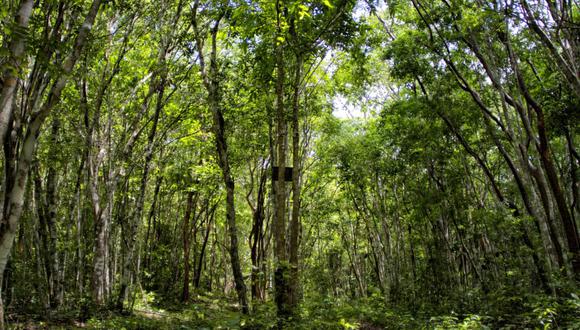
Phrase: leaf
[303,12]
[327,4]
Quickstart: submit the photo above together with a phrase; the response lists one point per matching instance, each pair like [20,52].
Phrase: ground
[217,312]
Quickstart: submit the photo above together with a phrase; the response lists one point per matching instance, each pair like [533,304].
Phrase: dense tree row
[170,146]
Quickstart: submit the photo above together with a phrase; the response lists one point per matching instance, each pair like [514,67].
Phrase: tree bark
[16,62]
[15,197]
[211,82]
[186,248]
[281,275]
[200,262]
[135,220]
[296,174]
[257,235]
[51,209]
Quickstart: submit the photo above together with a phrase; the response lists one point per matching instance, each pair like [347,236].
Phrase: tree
[211,82]
[15,180]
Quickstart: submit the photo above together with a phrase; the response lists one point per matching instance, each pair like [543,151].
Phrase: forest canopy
[288,164]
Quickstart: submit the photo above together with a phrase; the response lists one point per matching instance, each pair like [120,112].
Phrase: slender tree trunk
[100,258]
[51,209]
[150,224]
[186,248]
[281,275]
[257,236]
[158,83]
[135,220]
[574,182]
[499,195]
[570,230]
[15,197]
[296,173]
[209,219]
[17,62]
[230,218]
[211,82]
[40,204]
[75,215]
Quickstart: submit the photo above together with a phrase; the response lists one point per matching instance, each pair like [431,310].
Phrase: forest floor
[192,316]
[217,312]
[205,312]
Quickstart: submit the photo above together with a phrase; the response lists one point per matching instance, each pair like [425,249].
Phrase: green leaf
[327,4]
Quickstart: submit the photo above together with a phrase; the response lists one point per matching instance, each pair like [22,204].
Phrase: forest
[289,164]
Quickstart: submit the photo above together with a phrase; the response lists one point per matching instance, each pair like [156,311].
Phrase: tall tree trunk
[296,173]
[230,206]
[281,275]
[17,62]
[40,204]
[51,211]
[574,181]
[150,223]
[257,236]
[135,220]
[200,262]
[570,230]
[45,198]
[211,82]
[186,248]
[77,219]
[158,82]
[500,197]
[15,197]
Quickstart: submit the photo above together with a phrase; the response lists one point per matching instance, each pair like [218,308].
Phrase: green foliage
[433,209]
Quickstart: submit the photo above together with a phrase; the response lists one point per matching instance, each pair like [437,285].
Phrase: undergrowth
[219,312]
